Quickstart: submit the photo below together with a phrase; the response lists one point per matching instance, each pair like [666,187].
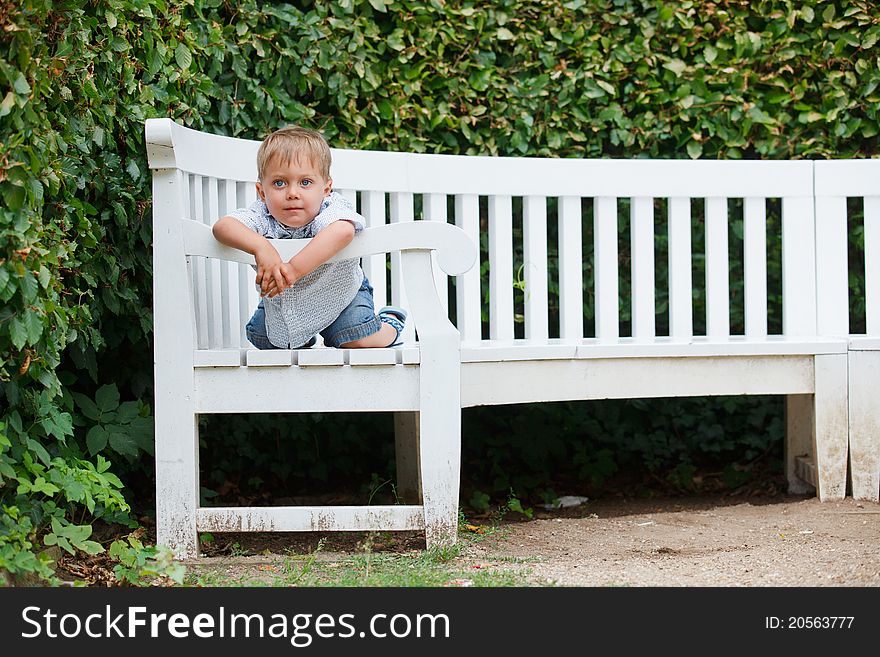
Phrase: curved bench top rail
[172,145]
[456,253]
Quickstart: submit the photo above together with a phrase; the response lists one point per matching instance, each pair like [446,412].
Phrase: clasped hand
[273,274]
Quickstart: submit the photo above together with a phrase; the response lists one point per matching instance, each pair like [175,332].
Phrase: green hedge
[585,78]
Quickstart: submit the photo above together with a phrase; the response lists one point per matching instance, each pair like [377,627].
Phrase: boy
[306,295]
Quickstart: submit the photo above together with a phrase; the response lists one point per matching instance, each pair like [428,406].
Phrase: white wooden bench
[205,365]
[836,182]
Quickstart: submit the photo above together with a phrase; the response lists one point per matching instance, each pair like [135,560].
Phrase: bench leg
[832,425]
[177,482]
[864,424]
[798,440]
[406,449]
[440,455]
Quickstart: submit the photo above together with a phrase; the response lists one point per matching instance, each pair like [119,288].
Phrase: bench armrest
[456,253]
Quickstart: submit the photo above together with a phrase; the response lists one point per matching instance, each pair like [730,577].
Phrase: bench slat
[401,210]
[535,269]
[717,269]
[374,266]
[681,308]
[571,269]
[269,358]
[468,299]
[199,267]
[501,267]
[642,239]
[755,266]
[832,275]
[872,265]
[434,209]
[320,357]
[798,267]
[209,213]
[605,267]
[357,357]
[218,358]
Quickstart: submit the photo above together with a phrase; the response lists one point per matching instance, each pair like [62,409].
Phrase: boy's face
[293,192]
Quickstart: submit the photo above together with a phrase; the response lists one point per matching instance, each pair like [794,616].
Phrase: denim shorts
[357,321]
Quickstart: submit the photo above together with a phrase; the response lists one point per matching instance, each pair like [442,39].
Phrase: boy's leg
[358,326]
[256,331]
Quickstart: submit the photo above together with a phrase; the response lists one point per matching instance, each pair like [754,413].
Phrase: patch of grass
[439,566]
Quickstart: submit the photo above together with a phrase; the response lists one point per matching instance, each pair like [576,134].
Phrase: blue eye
[278,183]
[306,183]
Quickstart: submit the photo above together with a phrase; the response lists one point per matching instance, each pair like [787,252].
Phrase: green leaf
[123,443]
[7,104]
[676,66]
[503,34]
[694,149]
[34,326]
[96,439]
[107,397]
[90,547]
[380,5]
[133,170]
[183,56]
[87,406]
[29,287]
[710,54]
[18,332]
[127,412]
[20,85]
[44,277]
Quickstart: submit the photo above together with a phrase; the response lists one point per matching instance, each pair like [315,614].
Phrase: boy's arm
[326,244]
[273,274]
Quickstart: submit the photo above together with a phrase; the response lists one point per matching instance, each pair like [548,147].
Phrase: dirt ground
[719,540]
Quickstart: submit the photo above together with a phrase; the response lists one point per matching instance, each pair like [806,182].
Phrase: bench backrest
[572,254]
[848,204]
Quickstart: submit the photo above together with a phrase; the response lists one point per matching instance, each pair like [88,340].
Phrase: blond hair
[294,143]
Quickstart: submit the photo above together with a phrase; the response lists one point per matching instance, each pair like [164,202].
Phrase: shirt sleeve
[255,217]
[334,208]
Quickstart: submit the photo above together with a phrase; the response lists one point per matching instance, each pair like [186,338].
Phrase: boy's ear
[260,192]
[328,187]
